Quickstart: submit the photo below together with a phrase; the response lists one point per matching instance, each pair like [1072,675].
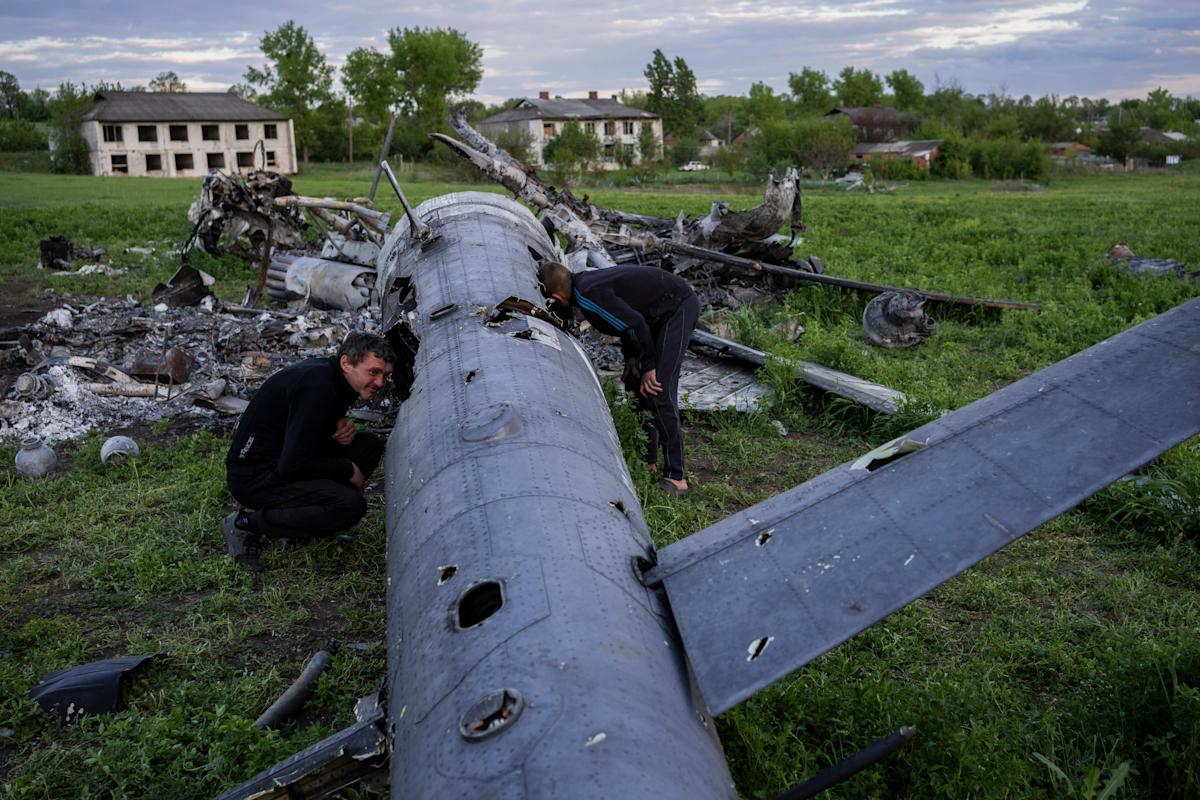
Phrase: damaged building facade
[539,119]
[185,134]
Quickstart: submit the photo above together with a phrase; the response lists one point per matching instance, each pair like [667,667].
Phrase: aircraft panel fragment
[796,575]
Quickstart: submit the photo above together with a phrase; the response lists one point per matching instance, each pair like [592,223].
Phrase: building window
[178,133]
[216,160]
[590,127]
[184,161]
[628,128]
[269,131]
[241,131]
[120,165]
[153,162]
[112,133]
[271,158]
[610,128]
[245,159]
[147,133]
[548,129]
[210,133]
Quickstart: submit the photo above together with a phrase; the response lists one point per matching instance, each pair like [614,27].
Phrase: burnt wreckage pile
[118,364]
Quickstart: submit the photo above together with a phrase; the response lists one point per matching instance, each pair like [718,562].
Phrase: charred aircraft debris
[514,530]
[502,419]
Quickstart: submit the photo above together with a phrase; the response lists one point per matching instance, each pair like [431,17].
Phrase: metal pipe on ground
[292,700]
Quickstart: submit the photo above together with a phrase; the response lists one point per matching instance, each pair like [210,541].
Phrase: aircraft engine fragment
[897,319]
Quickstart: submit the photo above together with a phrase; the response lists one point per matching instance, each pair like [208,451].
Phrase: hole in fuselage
[764,537]
[757,647]
[446,573]
[478,603]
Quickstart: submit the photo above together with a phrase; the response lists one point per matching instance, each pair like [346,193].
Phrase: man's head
[366,361]
[556,281]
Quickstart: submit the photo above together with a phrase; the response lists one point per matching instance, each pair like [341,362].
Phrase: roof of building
[869,115]
[707,136]
[176,107]
[569,108]
[911,149]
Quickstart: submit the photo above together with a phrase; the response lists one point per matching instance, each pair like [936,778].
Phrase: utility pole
[350,129]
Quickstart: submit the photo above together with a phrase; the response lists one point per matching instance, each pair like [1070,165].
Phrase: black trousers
[671,341]
[307,508]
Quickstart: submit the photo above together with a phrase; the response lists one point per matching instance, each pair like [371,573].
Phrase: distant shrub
[994,159]
[21,136]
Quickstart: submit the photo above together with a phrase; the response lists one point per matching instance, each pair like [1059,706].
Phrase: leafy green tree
[167,82]
[858,87]
[724,115]
[571,151]
[673,95]
[371,83]
[686,148]
[1122,136]
[1161,111]
[649,148]
[297,80]
[517,141]
[908,91]
[10,95]
[1047,121]
[824,145]
[731,158]
[772,146]
[31,105]
[810,91]
[20,136]
[68,148]
[432,64]
[244,91]
[763,104]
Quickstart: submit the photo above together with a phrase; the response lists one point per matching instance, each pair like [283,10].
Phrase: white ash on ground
[196,362]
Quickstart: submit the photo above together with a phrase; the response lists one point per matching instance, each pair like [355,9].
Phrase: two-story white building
[617,126]
[185,134]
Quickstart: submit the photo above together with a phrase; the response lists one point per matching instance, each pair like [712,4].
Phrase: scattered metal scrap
[237,213]
[898,319]
[117,364]
[1124,259]
[721,249]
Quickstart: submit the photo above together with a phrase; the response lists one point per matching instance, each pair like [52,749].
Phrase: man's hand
[650,384]
[345,431]
[357,477]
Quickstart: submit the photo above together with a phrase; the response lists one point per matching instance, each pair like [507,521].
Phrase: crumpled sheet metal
[93,688]
[324,283]
[897,319]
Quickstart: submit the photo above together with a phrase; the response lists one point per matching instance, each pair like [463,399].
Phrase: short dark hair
[358,344]
[555,278]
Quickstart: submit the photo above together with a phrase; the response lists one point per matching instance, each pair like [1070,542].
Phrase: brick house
[540,119]
[185,134]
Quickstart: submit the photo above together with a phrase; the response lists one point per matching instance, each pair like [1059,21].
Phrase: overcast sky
[568,47]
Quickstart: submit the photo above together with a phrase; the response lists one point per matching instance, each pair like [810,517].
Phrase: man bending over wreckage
[653,312]
[296,459]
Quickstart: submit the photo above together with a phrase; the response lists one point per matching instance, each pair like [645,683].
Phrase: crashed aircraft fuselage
[526,658]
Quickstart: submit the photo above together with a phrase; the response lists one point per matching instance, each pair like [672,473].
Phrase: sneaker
[245,546]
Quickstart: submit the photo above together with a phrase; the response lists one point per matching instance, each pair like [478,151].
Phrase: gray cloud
[1081,47]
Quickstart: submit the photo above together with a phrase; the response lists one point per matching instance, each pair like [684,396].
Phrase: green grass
[1065,665]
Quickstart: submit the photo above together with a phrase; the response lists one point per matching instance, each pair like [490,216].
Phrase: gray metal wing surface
[767,590]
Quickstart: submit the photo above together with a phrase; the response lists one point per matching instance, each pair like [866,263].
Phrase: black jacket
[630,302]
[288,420]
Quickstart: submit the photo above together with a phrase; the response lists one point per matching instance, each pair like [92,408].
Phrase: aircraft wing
[769,589]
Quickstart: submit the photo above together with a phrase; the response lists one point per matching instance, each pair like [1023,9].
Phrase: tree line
[423,69]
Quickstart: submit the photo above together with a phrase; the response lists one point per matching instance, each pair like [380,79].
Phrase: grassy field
[1064,666]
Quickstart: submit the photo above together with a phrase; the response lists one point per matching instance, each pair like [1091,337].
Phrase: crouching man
[653,312]
[296,463]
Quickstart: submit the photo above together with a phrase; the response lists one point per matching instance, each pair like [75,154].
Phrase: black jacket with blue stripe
[630,302]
